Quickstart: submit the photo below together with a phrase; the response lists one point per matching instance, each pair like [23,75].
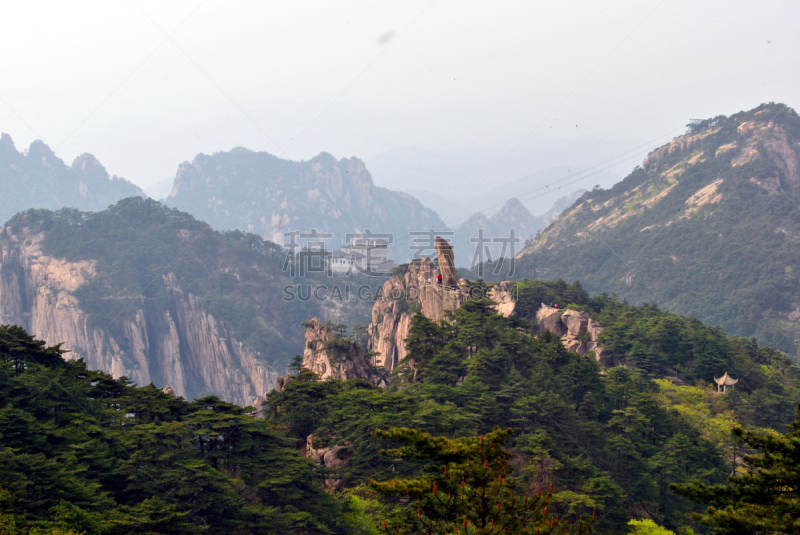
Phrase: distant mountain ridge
[512,216]
[708,226]
[258,192]
[37,178]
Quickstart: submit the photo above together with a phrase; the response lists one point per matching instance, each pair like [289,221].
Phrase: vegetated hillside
[83,453]
[708,226]
[609,437]
[37,178]
[260,193]
[148,292]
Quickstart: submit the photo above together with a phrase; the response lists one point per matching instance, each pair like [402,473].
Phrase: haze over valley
[373,269]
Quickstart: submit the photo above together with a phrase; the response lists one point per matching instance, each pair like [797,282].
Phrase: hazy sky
[146,85]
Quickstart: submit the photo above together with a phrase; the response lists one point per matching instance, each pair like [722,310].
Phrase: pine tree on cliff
[764,500]
[465,489]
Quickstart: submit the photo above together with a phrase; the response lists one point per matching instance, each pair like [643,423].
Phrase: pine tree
[766,499]
[465,489]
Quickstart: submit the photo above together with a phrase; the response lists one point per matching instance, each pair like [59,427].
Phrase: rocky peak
[7,144]
[332,196]
[402,295]
[446,259]
[331,356]
[39,151]
[512,216]
[87,165]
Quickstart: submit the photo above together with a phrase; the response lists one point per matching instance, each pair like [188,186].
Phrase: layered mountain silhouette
[258,192]
[37,178]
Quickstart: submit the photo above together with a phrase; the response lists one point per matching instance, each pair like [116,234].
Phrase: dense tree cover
[763,499]
[82,451]
[465,488]
[732,263]
[609,438]
[137,243]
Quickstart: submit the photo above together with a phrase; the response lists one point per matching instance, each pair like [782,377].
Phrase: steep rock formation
[578,331]
[504,293]
[446,259]
[328,359]
[185,347]
[401,295]
[281,382]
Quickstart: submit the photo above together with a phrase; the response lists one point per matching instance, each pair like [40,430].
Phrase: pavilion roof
[726,380]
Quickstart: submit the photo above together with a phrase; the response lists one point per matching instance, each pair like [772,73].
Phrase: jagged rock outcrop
[184,346]
[334,458]
[330,356]
[446,260]
[504,293]
[578,331]
[281,382]
[168,390]
[401,295]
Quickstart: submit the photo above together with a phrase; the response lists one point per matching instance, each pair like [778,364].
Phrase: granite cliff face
[147,292]
[415,290]
[189,350]
[330,356]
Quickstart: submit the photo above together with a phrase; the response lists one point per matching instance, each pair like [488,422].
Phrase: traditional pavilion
[724,382]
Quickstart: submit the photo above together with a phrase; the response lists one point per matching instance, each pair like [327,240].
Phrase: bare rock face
[185,347]
[446,259]
[549,319]
[401,295]
[281,382]
[258,407]
[168,390]
[333,458]
[579,332]
[329,361]
[504,294]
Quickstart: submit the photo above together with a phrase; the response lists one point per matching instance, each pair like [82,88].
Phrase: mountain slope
[708,226]
[258,192]
[513,215]
[151,293]
[37,178]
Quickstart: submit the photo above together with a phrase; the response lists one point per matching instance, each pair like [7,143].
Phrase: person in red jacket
[439,279]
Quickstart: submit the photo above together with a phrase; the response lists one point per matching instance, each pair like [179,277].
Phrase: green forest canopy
[607,439]
[84,452]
